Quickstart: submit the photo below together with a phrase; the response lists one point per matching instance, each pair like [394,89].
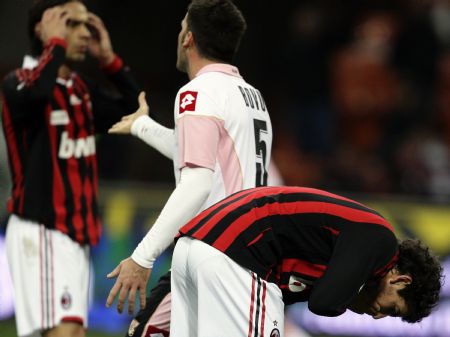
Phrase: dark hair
[217,26]
[35,15]
[422,295]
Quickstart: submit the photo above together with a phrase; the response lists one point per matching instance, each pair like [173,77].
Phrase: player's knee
[66,329]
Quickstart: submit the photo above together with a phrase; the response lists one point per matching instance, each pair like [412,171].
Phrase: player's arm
[185,201]
[183,204]
[142,126]
[358,254]
[198,138]
[154,134]
[29,87]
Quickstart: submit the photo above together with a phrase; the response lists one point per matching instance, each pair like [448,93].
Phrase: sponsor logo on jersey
[66,300]
[188,100]
[80,147]
[59,117]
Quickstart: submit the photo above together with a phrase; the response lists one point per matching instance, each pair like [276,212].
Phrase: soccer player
[221,144]
[238,262]
[50,117]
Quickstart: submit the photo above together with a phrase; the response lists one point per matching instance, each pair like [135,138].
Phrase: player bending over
[240,261]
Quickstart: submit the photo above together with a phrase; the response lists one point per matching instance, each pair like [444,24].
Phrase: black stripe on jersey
[90,213]
[12,136]
[40,207]
[290,232]
[47,277]
[293,197]
[258,305]
[217,210]
[268,251]
[23,153]
[63,166]
[83,211]
[242,209]
[83,162]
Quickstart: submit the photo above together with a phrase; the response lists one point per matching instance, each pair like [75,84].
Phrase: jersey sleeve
[358,255]
[184,203]
[27,89]
[199,126]
[198,141]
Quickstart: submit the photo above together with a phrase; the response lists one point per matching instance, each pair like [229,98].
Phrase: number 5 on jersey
[261,138]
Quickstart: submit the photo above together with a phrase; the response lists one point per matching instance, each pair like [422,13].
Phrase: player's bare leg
[66,329]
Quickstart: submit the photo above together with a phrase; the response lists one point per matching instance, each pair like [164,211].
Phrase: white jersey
[220,107]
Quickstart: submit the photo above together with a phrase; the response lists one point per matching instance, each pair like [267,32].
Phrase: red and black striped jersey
[316,246]
[49,125]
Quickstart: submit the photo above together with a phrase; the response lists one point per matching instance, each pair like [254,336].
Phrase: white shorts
[50,274]
[214,296]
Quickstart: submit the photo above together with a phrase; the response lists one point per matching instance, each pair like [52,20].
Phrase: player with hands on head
[220,144]
[50,117]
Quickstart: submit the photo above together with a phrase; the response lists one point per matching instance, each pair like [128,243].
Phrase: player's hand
[131,278]
[53,24]
[100,44]
[124,126]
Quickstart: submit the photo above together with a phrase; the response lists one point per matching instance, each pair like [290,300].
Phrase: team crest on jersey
[297,284]
[75,100]
[66,300]
[275,333]
[188,100]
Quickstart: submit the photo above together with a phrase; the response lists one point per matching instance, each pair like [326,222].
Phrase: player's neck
[196,64]
[64,71]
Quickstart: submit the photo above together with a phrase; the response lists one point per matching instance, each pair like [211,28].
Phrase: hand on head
[74,24]
[53,24]
[100,44]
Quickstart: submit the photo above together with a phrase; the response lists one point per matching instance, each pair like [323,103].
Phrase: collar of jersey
[220,67]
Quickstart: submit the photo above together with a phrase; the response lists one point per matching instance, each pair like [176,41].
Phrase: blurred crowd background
[358,92]
[366,93]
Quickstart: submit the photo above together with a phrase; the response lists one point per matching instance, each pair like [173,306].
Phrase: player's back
[289,233]
[243,134]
